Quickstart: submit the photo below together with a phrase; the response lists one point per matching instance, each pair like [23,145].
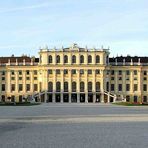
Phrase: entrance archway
[90,98]
[49,98]
[57,98]
[73,98]
[82,98]
[98,98]
[65,97]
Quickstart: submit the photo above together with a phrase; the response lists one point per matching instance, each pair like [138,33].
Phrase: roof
[20,59]
[128,59]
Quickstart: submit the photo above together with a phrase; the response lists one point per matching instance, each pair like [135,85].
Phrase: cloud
[5,10]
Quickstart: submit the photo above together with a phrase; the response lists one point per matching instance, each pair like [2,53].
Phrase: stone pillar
[46,96]
[94,98]
[69,97]
[53,97]
[78,85]
[86,97]
[61,94]
[78,97]
[108,99]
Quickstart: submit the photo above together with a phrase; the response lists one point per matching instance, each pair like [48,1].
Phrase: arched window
[97,59]
[82,86]
[57,59]
[81,59]
[73,59]
[107,60]
[97,86]
[50,86]
[65,86]
[74,86]
[50,59]
[89,86]
[65,59]
[58,86]
[89,59]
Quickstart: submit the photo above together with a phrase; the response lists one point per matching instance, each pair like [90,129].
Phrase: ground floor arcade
[74,98]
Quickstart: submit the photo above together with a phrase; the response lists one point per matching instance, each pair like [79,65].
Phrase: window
[135,78]
[3,78]
[112,78]
[20,72]
[89,59]
[3,87]
[127,78]
[81,59]
[74,85]
[27,87]
[20,87]
[81,71]
[127,98]
[145,73]
[144,98]
[120,72]
[58,86]
[135,87]
[49,71]
[112,87]
[35,72]
[144,78]
[135,72]
[89,86]
[12,78]
[144,87]
[35,78]
[97,71]
[65,59]
[35,87]
[28,78]
[20,78]
[12,87]
[65,86]
[3,73]
[97,86]
[120,87]
[127,72]
[27,72]
[82,86]
[12,72]
[135,99]
[89,71]
[107,72]
[97,59]
[57,71]
[57,59]
[73,59]
[112,72]
[50,86]
[65,71]
[73,71]
[127,87]
[120,78]
[50,59]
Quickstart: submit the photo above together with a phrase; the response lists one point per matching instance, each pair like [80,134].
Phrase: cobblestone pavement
[73,126]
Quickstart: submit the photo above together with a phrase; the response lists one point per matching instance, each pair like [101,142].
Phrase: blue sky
[26,25]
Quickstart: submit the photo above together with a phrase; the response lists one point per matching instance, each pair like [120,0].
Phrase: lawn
[130,104]
[18,104]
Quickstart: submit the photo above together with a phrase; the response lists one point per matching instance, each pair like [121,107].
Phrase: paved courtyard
[73,126]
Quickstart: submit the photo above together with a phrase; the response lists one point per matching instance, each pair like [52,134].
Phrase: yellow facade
[73,74]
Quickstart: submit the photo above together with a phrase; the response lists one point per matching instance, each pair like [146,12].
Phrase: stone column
[54,85]
[78,86]
[86,86]
[102,86]
[69,84]
[94,85]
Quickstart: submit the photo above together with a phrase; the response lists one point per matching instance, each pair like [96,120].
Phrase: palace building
[74,74]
